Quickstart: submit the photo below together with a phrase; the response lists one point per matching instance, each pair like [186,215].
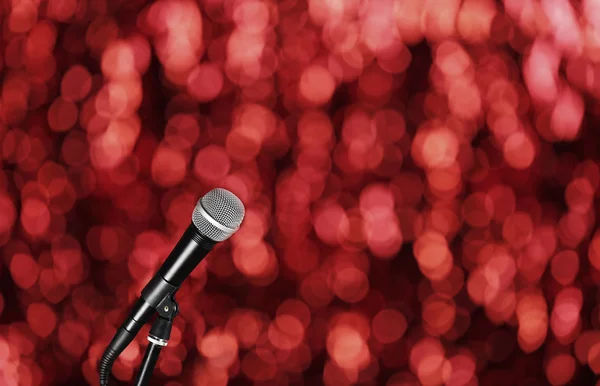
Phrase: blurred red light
[205,82]
[168,166]
[389,325]
[24,270]
[420,181]
[259,365]
[41,319]
[220,348]
[212,163]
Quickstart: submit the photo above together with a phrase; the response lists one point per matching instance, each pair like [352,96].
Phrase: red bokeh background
[420,179]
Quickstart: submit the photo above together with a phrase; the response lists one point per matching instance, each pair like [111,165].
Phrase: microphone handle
[185,256]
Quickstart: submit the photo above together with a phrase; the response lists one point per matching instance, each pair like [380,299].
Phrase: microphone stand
[158,337]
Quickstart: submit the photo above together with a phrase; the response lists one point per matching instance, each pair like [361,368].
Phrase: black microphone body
[185,256]
[217,215]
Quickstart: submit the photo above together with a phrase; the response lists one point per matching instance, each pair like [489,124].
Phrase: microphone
[216,217]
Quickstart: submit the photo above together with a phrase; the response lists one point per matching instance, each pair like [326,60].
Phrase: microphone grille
[220,206]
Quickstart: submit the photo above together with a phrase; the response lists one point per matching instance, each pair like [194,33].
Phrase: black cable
[105,365]
[121,339]
[158,336]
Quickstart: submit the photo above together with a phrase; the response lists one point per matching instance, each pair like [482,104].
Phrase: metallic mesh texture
[222,206]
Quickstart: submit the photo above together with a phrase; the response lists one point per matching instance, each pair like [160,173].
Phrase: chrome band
[214,222]
[157,341]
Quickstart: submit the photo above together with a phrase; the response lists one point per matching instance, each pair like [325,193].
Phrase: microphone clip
[158,338]
[161,328]
[167,308]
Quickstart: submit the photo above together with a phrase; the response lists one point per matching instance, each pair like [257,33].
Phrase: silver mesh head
[218,214]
